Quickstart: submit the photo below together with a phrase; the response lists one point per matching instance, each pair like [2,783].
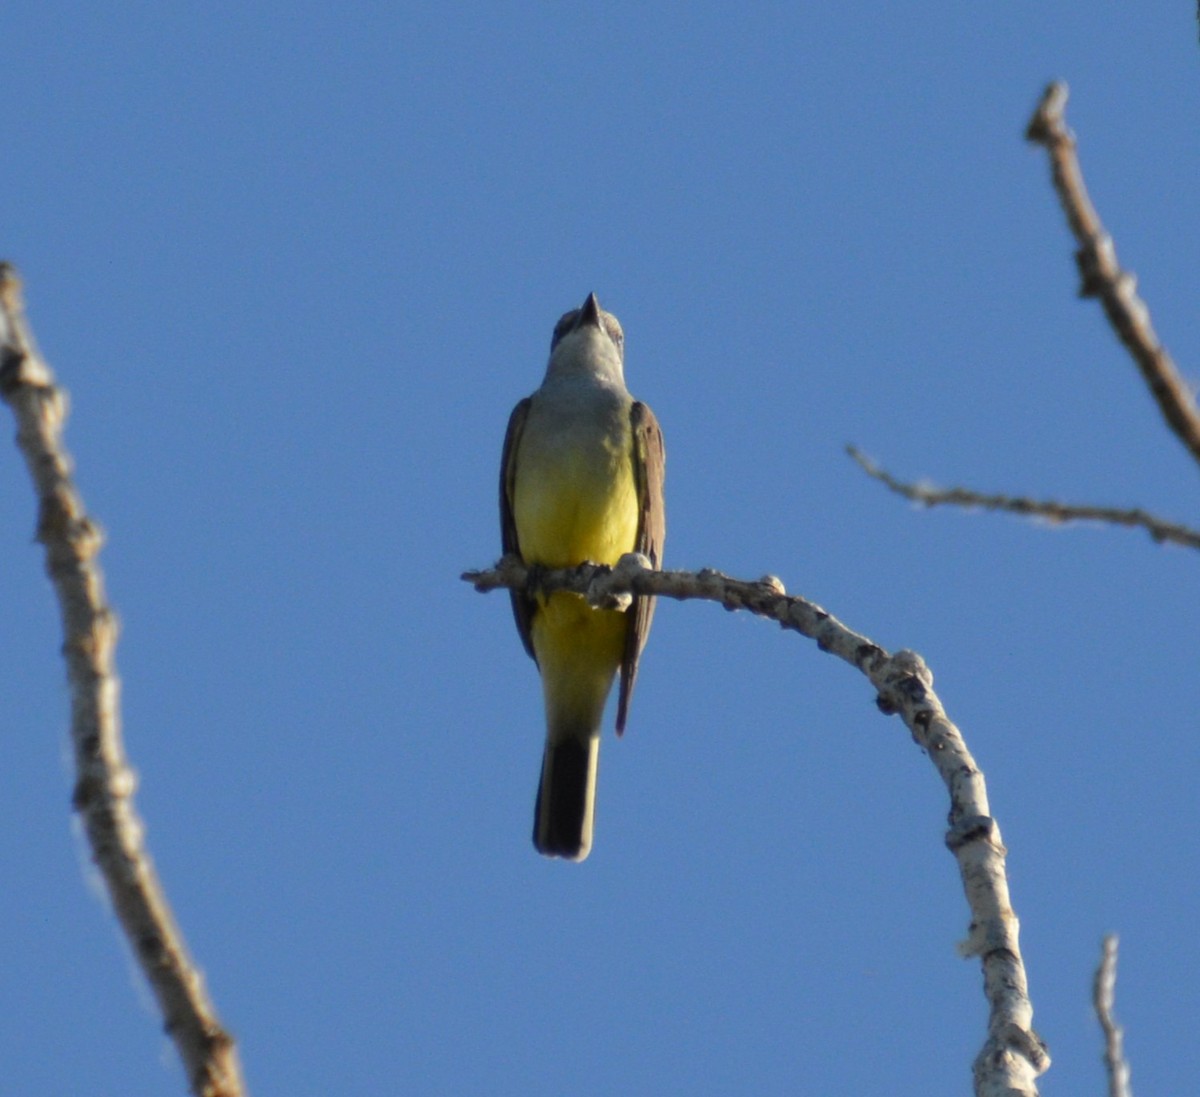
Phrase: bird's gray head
[588,333]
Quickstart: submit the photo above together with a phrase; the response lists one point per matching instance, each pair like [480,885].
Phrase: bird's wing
[649,460]
[522,604]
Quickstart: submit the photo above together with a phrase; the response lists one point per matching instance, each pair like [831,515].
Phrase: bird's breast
[574,496]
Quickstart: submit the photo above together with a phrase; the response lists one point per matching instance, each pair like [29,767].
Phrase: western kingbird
[581,479]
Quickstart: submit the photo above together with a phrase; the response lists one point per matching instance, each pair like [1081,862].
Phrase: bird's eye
[564,325]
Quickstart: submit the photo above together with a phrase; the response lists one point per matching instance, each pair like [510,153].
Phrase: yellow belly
[578,651]
[572,509]
[579,510]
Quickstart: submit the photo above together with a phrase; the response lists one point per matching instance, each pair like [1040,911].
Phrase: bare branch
[104,782]
[1013,1055]
[1052,511]
[1102,275]
[1103,990]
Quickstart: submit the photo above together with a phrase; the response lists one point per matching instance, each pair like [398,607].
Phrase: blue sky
[295,264]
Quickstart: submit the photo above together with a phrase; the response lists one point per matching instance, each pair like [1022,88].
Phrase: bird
[581,479]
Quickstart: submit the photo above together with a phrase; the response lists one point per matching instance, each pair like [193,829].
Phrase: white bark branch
[1101,274]
[1103,994]
[104,782]
[1013,1055]
[1048,509]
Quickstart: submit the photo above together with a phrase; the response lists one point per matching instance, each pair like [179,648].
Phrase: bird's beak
[590,313]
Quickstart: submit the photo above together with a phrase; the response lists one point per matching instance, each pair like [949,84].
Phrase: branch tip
[1047,121]
[1103,996]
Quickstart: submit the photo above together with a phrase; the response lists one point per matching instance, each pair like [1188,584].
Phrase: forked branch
[1102,277]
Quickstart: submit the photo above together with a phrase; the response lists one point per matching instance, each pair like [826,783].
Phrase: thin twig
[1052,511]
[1102,275]
[1013,1055]
[1103,992]
[104,782]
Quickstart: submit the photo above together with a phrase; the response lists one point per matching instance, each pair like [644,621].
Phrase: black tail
[562,817]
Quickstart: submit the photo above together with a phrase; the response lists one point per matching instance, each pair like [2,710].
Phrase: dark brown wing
[522,604]
[649,460]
